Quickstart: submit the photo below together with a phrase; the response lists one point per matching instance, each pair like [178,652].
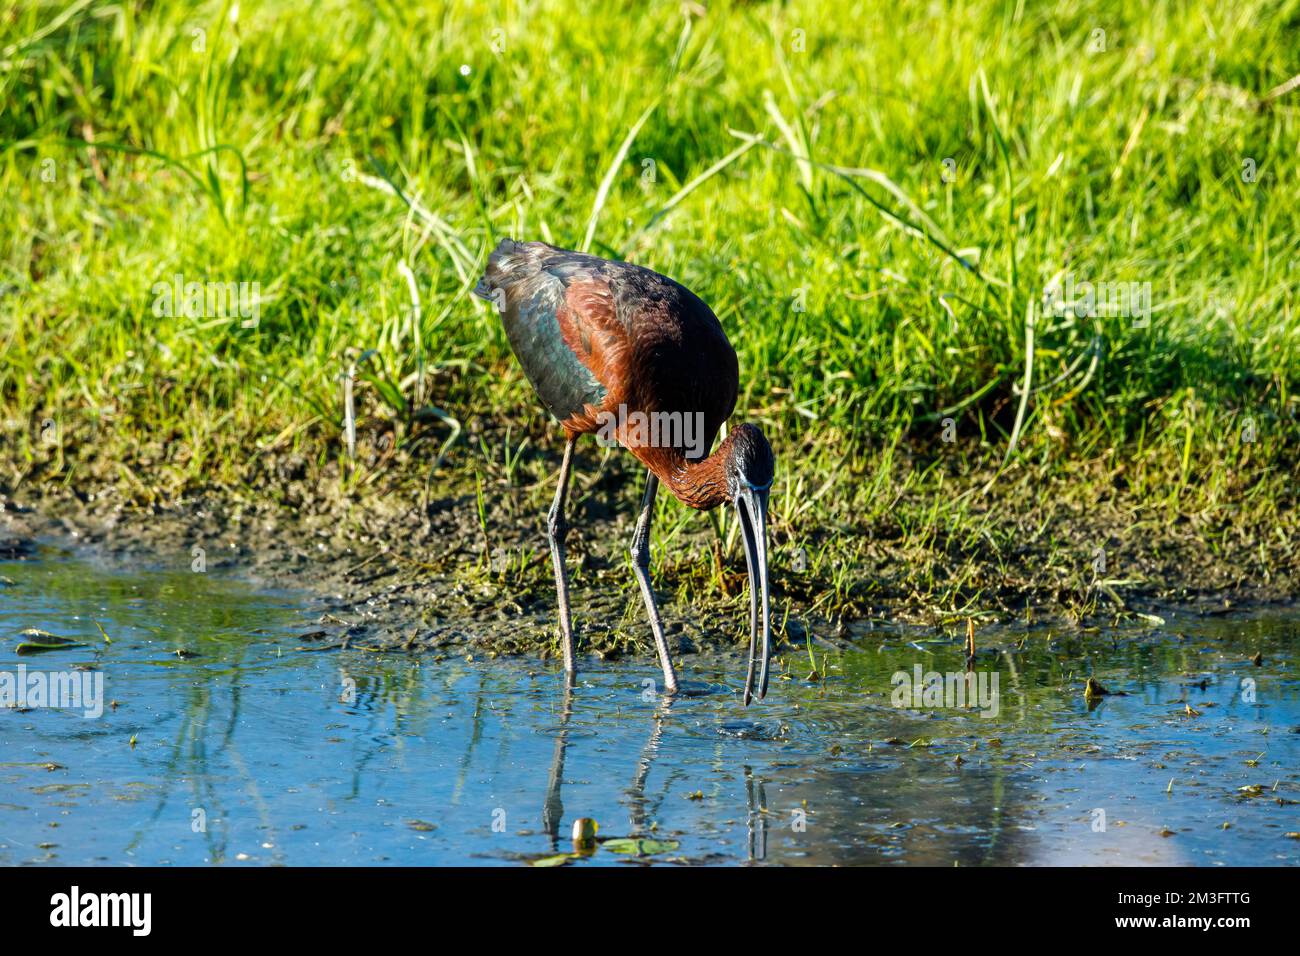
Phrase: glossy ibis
[616,350]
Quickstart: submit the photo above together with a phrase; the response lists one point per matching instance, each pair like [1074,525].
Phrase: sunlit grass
[925,171]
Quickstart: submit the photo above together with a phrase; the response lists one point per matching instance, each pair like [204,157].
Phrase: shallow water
[249,747]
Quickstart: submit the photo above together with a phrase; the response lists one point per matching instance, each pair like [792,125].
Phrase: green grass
[925,170]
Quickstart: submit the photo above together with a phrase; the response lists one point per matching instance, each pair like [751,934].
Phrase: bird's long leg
[641,568]
[557,526]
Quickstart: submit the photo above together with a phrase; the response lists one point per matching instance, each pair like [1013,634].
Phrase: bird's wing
[560,317]
[593,334]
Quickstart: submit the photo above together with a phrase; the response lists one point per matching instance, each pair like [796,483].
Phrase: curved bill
[751,509]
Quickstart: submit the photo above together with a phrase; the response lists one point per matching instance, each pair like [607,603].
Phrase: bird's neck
[699,484]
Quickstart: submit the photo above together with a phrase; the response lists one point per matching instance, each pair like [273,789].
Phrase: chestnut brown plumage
[606,344]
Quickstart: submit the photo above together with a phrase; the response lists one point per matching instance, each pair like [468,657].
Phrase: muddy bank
[385,577]
[397,564]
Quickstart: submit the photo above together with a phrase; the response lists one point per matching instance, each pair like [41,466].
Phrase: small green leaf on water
[107,639]
[38,641]
[133,741]
[421,825]
[637,847]
[560,860]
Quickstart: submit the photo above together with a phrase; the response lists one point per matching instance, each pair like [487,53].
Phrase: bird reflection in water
[639,805]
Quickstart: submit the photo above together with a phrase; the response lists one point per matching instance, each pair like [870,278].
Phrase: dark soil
[391,571]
